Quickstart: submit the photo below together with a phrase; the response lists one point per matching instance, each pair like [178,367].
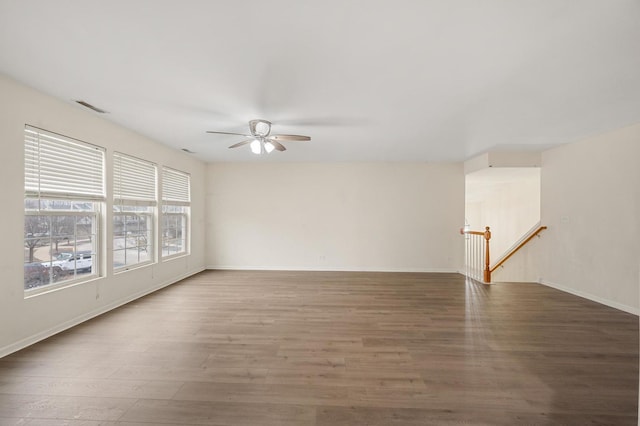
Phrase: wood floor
[333,349]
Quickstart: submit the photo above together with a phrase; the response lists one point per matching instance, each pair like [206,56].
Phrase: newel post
[487,271]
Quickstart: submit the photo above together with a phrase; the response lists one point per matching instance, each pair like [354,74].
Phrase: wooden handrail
[472,232]
[512,252]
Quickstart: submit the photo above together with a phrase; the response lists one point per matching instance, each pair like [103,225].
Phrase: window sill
[28,294]
[122,269]
[175,256]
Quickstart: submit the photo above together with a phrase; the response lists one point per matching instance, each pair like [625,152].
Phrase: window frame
[44,184]
[176,193]
[125,200]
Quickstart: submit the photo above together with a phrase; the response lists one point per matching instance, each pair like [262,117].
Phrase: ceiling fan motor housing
[260,128]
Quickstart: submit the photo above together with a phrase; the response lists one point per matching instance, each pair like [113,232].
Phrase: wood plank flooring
[312,348]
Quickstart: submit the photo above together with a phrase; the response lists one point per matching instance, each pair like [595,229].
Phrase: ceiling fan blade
[277,145]
[289,138]
[228,133]
[235,145]
[330,121]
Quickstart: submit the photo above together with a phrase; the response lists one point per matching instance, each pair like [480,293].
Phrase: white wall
[368,216]
[24,321]
[507,200]
[590,201]
[523,266]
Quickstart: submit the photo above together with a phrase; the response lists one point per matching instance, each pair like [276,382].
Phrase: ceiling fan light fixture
[256,147]
[260,140]
[268,146]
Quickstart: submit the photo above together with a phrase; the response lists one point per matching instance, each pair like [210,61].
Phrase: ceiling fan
[261,140]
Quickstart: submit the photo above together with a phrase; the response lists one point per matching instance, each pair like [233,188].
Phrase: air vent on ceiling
[91,107]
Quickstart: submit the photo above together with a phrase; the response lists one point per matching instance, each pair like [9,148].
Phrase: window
[176,200]
[64,193]
[134,204]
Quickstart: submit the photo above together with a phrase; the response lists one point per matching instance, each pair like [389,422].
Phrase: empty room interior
[320,213]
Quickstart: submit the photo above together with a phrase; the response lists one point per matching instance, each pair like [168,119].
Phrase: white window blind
[58,166]
[133,179]
[175,186]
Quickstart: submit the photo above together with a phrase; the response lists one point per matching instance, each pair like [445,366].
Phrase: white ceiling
[401,80]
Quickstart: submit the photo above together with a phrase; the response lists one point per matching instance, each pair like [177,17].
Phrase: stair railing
[537,229]
[477,253]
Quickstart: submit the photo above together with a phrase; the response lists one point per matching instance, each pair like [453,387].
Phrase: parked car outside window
[81,261]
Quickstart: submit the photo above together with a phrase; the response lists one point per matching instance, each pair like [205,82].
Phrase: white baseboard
[28,341]
[630,309]
[327,269]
